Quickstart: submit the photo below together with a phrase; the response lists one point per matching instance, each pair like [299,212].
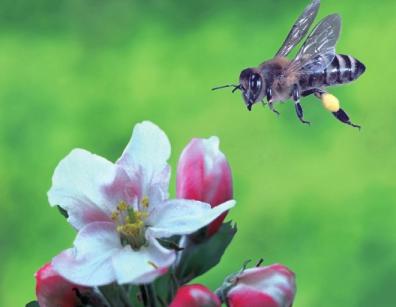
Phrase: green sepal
[63,211]
[171,243]
[198,258]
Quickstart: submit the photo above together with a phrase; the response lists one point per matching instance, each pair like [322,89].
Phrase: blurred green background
[320,199]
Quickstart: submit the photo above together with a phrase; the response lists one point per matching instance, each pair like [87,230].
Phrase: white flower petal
[89,263]
[88,187]
[180,217]
[144,265]
[146,156]
[149,148]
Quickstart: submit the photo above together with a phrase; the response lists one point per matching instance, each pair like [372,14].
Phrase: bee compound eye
[255,82]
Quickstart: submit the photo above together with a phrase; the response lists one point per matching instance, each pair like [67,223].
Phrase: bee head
[252,85]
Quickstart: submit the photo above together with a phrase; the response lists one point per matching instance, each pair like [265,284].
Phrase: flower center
[130,224]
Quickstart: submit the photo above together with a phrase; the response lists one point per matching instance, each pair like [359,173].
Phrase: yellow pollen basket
[330,102]
[130,225]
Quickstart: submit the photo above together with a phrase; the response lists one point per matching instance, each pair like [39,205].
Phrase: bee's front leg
[271,106]
[270,101]
[299,110]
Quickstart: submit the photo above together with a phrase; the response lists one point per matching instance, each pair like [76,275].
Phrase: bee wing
[300,28]
[319,49]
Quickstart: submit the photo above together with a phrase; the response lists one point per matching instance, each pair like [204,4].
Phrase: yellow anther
[114,215]
[122,206]
[153,264]
[330,102]
[145,202]
[141,215]
[129,229]
[130,225]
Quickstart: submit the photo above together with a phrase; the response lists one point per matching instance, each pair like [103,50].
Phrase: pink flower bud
[195,296]
[269,286]
[54,290]
[203,174]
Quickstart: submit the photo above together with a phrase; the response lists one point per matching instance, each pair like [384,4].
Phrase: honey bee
[315,67]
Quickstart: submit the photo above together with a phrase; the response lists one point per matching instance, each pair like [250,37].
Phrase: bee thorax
[282,93]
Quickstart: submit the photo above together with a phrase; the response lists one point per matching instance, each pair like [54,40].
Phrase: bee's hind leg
[299,110]
[343,117]
[311,91]
[331,103]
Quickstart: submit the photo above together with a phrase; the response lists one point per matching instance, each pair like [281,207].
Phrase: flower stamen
[145,202]
[153,265]
[130,225]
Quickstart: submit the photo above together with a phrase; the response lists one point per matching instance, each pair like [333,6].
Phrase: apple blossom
[121,209]
[195,296]
[203,174]
[268,286]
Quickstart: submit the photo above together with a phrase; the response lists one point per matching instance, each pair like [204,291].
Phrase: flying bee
[315,67]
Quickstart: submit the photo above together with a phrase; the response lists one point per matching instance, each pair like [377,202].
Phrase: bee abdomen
[343,69]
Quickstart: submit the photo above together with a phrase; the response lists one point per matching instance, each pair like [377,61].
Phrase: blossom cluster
[137,246]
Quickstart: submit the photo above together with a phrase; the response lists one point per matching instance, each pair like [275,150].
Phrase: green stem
[115,295]
[175,285]
[151,296]
[144,295]
[106,297]
[124,297]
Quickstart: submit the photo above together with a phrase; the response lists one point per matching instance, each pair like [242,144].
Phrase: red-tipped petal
[246,296]
[204,174]
[195,296]
[54,290]
[268,286]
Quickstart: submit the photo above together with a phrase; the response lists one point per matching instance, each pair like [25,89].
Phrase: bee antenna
[236,87]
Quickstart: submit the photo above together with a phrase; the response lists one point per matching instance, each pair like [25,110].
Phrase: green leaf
[32,304]
[198,258]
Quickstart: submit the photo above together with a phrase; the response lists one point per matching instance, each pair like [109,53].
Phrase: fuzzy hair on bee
[315,67]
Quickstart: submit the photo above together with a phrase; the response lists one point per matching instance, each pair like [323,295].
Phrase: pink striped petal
[242,296]
[266,286]
[195,296]
[203,174]
[53,290]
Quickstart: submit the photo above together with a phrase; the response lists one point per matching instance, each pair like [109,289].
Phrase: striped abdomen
[343,69]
